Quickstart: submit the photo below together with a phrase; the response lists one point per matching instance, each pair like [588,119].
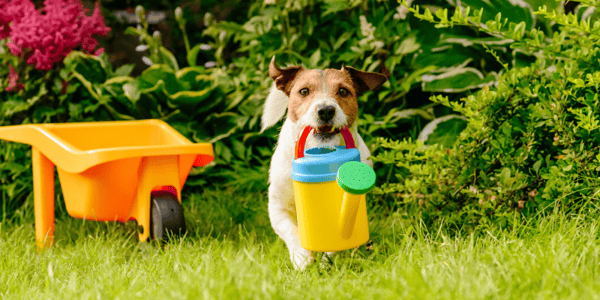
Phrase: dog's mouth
[328,129]
[326,132]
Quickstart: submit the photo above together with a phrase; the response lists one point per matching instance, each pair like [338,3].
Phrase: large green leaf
[447,56]
[150,78]
[188,77]
[223,125]
[444,130]
[91,67]
[457,79]
[181,88]
[467,41]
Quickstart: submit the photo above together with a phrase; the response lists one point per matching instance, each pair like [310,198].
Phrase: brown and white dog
[324,99]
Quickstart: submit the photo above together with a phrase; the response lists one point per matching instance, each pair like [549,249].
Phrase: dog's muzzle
[326,113]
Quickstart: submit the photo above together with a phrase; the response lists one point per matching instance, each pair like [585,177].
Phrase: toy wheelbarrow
[110,171]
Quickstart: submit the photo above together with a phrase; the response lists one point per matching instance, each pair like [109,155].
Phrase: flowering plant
[48,35]
[33,78]
[33,44]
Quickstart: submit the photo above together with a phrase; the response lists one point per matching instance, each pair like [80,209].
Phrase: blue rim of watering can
[321,164]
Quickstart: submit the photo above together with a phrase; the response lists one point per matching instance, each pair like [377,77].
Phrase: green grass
[231,252]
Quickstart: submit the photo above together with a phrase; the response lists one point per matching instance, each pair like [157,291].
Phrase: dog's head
[324,99]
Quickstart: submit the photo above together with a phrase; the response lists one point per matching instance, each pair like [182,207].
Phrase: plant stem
[185,38]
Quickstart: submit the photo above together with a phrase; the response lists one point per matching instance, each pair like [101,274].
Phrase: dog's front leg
[282,206]
[282,213]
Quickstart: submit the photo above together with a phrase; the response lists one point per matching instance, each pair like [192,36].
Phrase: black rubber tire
[166,215]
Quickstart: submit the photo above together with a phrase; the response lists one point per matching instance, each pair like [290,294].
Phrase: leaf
[495,144]
[314,59]
[467,41]
[457,80]
[408,45]
[444,130]
[334,6]
[238,148]
[124,70]
[191,78]
[119,80]
[222,151]
[11,107]
[452,56]
[91,67]
[342,39]
[537,165]
[504,177]
[132,91]
[86,84]
[192,56]
[169,58]
[43,113]
[188,101]
[151,76]
[223,125]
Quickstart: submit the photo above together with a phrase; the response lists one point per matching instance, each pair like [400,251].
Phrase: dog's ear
[365,81]
[283,77]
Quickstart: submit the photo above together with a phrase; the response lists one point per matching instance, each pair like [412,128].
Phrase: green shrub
[531,143]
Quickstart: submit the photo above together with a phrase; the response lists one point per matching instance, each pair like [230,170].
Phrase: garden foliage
[531,142]
[221,101]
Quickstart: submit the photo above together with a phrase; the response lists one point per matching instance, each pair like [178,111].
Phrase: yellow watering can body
[319,210]
[329,189]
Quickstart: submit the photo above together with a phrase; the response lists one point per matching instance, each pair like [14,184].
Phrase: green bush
[531,143]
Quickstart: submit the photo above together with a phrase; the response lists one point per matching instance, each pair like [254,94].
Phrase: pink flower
[13,76]
[99,51]
[47,36]
[13,10]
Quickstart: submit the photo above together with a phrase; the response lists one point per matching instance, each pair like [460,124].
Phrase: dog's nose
[326,113]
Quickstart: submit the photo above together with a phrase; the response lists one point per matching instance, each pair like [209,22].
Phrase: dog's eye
[343,92]
[303,92]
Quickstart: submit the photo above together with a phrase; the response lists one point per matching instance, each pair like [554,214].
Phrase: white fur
[282,207]
[274,108]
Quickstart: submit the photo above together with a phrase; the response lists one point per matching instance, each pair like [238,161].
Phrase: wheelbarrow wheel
[166,216]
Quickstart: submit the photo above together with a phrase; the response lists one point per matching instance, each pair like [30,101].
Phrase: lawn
[231,252]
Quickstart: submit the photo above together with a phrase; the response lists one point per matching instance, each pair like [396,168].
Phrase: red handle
[299,151]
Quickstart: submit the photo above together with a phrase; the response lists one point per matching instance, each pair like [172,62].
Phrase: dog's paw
[301,258]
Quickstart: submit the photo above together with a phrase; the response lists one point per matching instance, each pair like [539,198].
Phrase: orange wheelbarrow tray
[110,171]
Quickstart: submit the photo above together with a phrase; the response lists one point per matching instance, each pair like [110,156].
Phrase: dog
[326,100]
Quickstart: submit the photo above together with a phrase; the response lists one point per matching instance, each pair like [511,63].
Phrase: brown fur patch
[365,81]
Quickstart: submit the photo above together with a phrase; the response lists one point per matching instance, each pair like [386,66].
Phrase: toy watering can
[329,187]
